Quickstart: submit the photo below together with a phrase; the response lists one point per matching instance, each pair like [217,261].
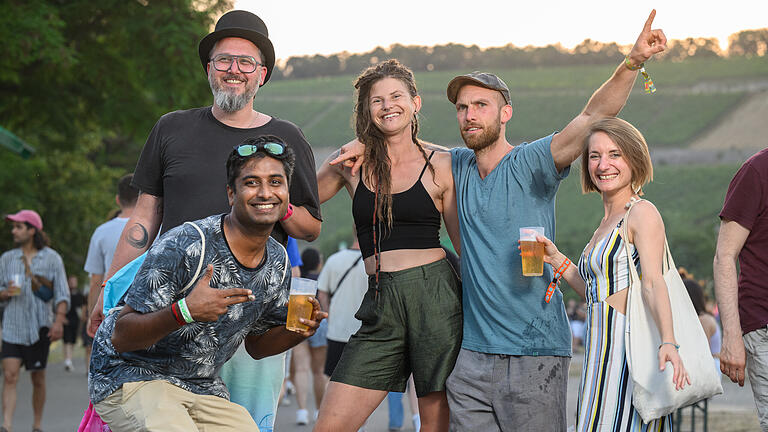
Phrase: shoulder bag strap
[202,257]
[344,276]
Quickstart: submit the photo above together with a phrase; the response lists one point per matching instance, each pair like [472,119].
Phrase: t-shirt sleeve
[165,271]
[294,257]
[324,280]
[148,175]
[537,157]
[743,199]
[304,181]
[94,261]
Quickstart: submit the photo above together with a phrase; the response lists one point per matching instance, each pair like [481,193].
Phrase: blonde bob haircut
[633,149]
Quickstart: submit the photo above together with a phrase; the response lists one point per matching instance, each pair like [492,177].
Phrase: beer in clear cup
[14,285]
[298,303]
[531,251]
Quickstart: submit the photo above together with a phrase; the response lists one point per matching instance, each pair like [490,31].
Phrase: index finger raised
[649,21]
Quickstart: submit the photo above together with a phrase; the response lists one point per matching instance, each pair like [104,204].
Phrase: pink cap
[29,216]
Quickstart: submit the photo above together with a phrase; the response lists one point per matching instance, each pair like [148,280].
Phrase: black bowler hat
[241,24]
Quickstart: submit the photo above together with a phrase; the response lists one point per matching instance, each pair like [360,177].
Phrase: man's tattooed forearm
[137,236]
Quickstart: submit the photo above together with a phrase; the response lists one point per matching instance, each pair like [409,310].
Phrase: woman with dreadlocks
[411,313]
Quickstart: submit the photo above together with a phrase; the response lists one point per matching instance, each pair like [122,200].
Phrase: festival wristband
[185,311]
[629,64]
[558,274]
[288,213]
[177,315]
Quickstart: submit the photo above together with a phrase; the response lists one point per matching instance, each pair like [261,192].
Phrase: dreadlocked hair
[377,165]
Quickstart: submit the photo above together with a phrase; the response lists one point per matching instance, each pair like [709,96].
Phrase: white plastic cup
[298,303]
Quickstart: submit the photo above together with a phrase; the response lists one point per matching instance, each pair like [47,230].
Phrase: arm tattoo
[137,236]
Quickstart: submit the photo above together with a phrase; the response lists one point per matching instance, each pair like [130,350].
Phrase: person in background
[708,321]
[309,357]
[72,326]
[742,290]
[29,326]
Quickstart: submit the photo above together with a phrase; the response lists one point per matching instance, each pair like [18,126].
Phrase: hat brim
[262,42]
[460,81]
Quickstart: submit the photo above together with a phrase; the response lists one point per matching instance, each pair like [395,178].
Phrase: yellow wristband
[629,65]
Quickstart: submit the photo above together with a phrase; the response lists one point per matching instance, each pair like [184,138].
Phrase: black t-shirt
[184,162]
[76,301]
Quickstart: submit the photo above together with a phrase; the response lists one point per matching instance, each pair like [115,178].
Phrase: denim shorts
[319,339]
[411,324]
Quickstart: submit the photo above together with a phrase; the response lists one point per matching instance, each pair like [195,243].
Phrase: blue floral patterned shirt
[191,356]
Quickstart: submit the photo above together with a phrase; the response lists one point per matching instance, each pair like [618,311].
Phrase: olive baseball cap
[482,79]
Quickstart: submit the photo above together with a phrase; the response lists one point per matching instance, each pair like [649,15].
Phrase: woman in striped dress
[616,164]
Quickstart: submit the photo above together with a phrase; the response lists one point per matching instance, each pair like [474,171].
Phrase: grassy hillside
[688,197]
[691,96]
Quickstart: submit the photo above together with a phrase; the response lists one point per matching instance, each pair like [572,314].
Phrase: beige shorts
[159,406]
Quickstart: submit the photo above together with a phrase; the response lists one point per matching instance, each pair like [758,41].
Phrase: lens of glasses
[274,149]
[246,64]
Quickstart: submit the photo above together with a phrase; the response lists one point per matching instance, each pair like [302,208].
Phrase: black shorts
[333,355]
[70,331]
[33,357]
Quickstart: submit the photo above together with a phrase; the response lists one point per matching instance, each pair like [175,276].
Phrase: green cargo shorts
[413,325]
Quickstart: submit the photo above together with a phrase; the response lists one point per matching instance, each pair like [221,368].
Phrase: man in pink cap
[31,276]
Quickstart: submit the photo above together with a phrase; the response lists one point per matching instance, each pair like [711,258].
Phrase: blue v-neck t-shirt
[505,312]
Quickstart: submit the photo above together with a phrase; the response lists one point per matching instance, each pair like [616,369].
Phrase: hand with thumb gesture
[206,304]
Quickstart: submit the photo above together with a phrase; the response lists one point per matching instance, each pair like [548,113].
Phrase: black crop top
[415,219]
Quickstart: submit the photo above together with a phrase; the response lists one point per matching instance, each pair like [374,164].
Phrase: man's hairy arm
[729,243]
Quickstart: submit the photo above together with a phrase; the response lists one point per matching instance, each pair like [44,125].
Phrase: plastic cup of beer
[298,303]
[531,251]
[14,287]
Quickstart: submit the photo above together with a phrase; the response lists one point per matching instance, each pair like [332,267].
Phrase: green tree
[83,82]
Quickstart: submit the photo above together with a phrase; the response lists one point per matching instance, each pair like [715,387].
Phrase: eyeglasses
[273,148]
[246,64]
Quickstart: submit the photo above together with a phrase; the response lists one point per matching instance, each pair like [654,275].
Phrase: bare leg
[38,396]
[345,408]
[433,409]
[11,367]
[319,380]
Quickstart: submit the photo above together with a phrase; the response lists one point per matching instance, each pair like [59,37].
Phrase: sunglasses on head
[273,148]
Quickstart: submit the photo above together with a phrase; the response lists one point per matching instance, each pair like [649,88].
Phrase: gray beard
[230,102]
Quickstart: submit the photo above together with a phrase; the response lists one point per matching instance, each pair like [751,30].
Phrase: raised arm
[647,231]
[137,236]
[729,243]
[610,98]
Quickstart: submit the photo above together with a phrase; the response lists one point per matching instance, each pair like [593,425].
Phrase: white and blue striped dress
[605,393]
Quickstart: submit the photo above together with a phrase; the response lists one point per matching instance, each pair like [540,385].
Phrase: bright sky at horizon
[327,27]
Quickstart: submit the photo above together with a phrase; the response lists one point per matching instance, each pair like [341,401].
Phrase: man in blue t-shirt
[512,371]
[155,364]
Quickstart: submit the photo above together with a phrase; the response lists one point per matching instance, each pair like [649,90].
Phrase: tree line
[749,43]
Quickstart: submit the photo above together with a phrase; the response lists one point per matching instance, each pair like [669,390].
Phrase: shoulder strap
[344,276]
[426,164]
[202,257]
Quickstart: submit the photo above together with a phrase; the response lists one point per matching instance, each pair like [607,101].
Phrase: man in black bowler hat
[180,173]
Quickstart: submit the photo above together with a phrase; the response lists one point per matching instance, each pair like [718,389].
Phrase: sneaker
[416,422]
[289,388]
[68,365]
[302,417]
